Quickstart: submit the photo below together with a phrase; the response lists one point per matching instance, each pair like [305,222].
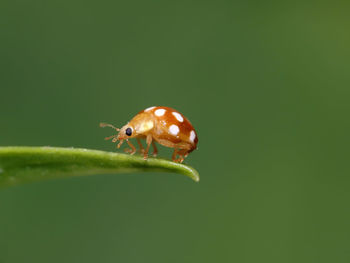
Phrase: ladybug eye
[128,131]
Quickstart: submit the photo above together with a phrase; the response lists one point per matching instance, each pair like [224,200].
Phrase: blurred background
[266,85]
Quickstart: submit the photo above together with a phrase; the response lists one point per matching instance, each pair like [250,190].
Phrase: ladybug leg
[120,142]
[148,141]
[132,150]
[142,150]
[182,155]
[155,150]
[174,155]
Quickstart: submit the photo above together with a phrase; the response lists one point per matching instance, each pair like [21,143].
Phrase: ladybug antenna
[102,124]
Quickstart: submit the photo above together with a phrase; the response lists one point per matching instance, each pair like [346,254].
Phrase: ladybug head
[127,132]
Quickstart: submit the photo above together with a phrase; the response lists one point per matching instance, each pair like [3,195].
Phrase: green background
[266,85]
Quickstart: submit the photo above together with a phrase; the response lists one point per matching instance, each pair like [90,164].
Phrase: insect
[163,125]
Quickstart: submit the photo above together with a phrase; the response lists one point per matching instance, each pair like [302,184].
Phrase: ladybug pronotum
[164,125]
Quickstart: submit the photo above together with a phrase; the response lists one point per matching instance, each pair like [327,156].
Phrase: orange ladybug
[164,125]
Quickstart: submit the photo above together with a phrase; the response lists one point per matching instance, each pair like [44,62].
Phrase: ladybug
[164,125]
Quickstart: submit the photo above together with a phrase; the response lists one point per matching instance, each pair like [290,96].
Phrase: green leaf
[26,164]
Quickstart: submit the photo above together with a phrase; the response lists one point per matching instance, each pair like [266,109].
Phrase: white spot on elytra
[150,108]
[159,112]
[178,116]
[192,136]
[174,129]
